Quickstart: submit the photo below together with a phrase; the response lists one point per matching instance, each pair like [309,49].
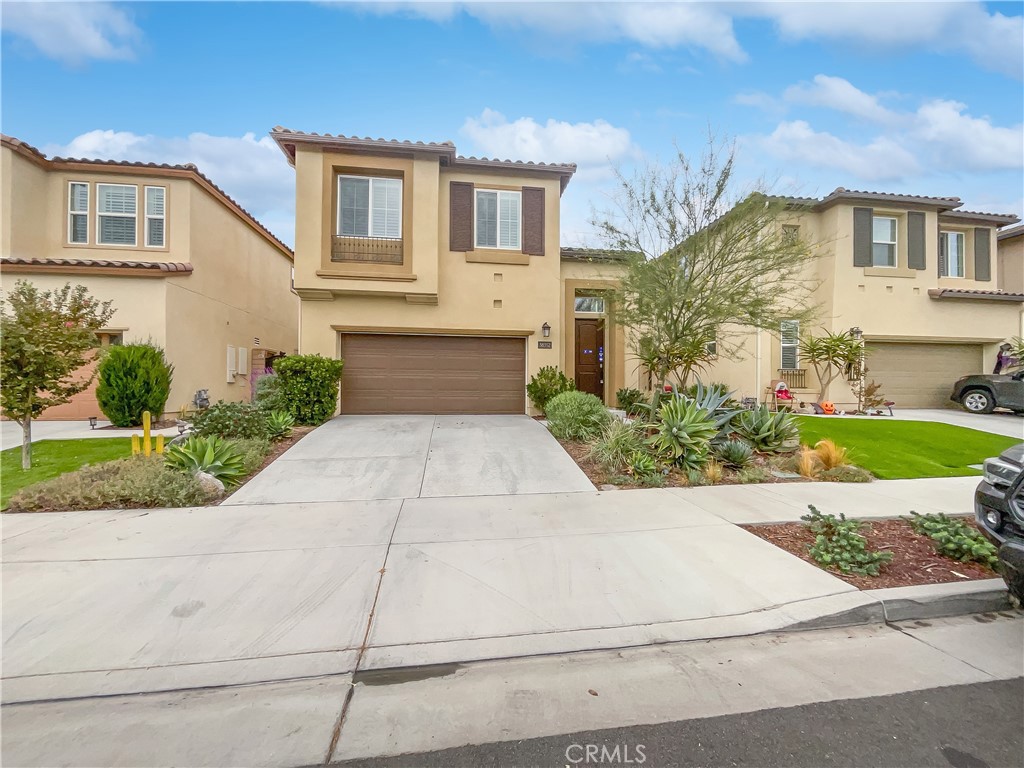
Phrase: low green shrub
[955,538]
[696,477]
[839,545]
[232,421]
[310,385]
[684,433]
[577,416]
[548,382]
[846,474]
[133,378]
[279,424]
[616,445]
[734,453]
[254,452]
[631,400]
[212,455]
[765,430]
[753,475]
[132,483]
[641,465]
[269,394]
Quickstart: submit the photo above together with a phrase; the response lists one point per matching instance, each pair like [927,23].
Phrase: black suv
[999,511]
[984,392]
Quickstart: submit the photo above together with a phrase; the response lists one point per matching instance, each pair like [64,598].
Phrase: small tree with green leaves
[831,355]
[703,261]
[47,336]
[133,378]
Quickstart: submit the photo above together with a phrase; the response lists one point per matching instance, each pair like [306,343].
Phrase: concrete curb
[932,601]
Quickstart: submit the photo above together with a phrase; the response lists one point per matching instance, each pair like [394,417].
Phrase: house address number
[543,345]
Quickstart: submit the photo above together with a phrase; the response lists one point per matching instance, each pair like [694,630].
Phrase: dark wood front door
[590,356]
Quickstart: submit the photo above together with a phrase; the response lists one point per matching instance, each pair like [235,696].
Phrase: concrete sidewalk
[10,432]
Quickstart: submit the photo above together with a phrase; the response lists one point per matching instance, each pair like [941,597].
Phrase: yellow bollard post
[160,444]
[147,447]
[135,445]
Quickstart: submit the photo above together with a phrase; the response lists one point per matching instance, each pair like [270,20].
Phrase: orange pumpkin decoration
[828,407]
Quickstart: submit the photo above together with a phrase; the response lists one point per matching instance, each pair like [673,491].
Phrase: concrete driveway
[998,423]
[353,458]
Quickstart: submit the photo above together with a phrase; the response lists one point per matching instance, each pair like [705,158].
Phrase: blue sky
[923,98]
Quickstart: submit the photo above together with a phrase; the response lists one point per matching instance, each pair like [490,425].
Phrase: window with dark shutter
[460,235]
[982,253]
[533,221]
[916,258]
[862,236]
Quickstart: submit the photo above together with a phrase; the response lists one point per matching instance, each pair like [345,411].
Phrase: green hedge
[133,378]
[310,386]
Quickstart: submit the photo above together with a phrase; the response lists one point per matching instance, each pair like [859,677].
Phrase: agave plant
[641,464]
[684,432]
[280,424]
[765,430]
[734,453]
[212,455]
[713,399]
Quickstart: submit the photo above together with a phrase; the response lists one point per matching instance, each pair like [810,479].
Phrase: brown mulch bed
[674,479]
[276,449]
[914,560]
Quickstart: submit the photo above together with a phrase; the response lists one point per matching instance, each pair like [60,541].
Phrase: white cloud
[73,32]
[969,143]
[796,142]
[841,95]
[252,171]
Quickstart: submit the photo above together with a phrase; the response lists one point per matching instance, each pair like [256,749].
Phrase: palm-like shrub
[279,424]
[212,455]
[619,441]
[548,382]
[734,453]
[576,416]
[767,431]
[133,378]
[684,433]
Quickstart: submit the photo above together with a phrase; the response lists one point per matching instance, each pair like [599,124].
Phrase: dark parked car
[999,512]
[984,392]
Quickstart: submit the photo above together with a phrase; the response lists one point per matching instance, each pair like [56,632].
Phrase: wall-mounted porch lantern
[92,422]
[857,333]
[546,330]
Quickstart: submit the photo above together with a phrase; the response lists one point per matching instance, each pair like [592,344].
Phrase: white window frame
[518,194]
[795,345]
[894,243]
[712,348]
[72,213]
[595,312]
[99,216]
[963,253]
[369,212]
[148,217]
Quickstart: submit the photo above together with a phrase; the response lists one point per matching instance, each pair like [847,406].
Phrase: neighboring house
[439,279]
[919,278]
[1010,246]
[183,263]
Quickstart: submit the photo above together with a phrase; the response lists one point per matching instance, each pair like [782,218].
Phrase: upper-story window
[369,207]
[790,342]
[78,212]
[116,212]
[155,217]
[883,245]
[498,219]
[953,246]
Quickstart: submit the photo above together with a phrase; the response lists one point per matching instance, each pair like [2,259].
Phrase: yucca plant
[212,455]
[280,424]
[734,453]
[684,433]
[767,431]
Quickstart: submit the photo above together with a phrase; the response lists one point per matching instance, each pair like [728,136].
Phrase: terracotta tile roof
[187,169]
[839,193]
[998,218]
[287,139]
[1006,234]
[161,266]
[971,293]
[593,254]
[945,205]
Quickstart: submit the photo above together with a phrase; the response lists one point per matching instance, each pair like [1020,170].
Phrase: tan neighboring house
[439,279]
[183,263]
[1010,247]
[918,277]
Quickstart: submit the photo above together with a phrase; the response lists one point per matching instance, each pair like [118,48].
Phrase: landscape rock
[211,486]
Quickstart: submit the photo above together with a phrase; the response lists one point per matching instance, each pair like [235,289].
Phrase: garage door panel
[432,374]
[921,375]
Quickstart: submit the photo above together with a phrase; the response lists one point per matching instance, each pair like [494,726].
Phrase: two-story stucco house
[183,263]
[921,281]
[439,278]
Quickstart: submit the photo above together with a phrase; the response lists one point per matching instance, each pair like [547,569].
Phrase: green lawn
[55,457]
[897,449]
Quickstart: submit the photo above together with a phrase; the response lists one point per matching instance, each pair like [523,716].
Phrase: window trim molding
[133,216]
[783,346]
[894,243]
[71,213]
[963,254]
[147,217]
[497,220]
[369,211]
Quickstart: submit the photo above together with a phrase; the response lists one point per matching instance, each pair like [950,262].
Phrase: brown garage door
[432,374]
[921,375]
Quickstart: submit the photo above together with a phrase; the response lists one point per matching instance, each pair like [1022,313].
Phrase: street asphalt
[962,726]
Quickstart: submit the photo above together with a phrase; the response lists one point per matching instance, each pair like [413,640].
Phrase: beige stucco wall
[1011,263]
